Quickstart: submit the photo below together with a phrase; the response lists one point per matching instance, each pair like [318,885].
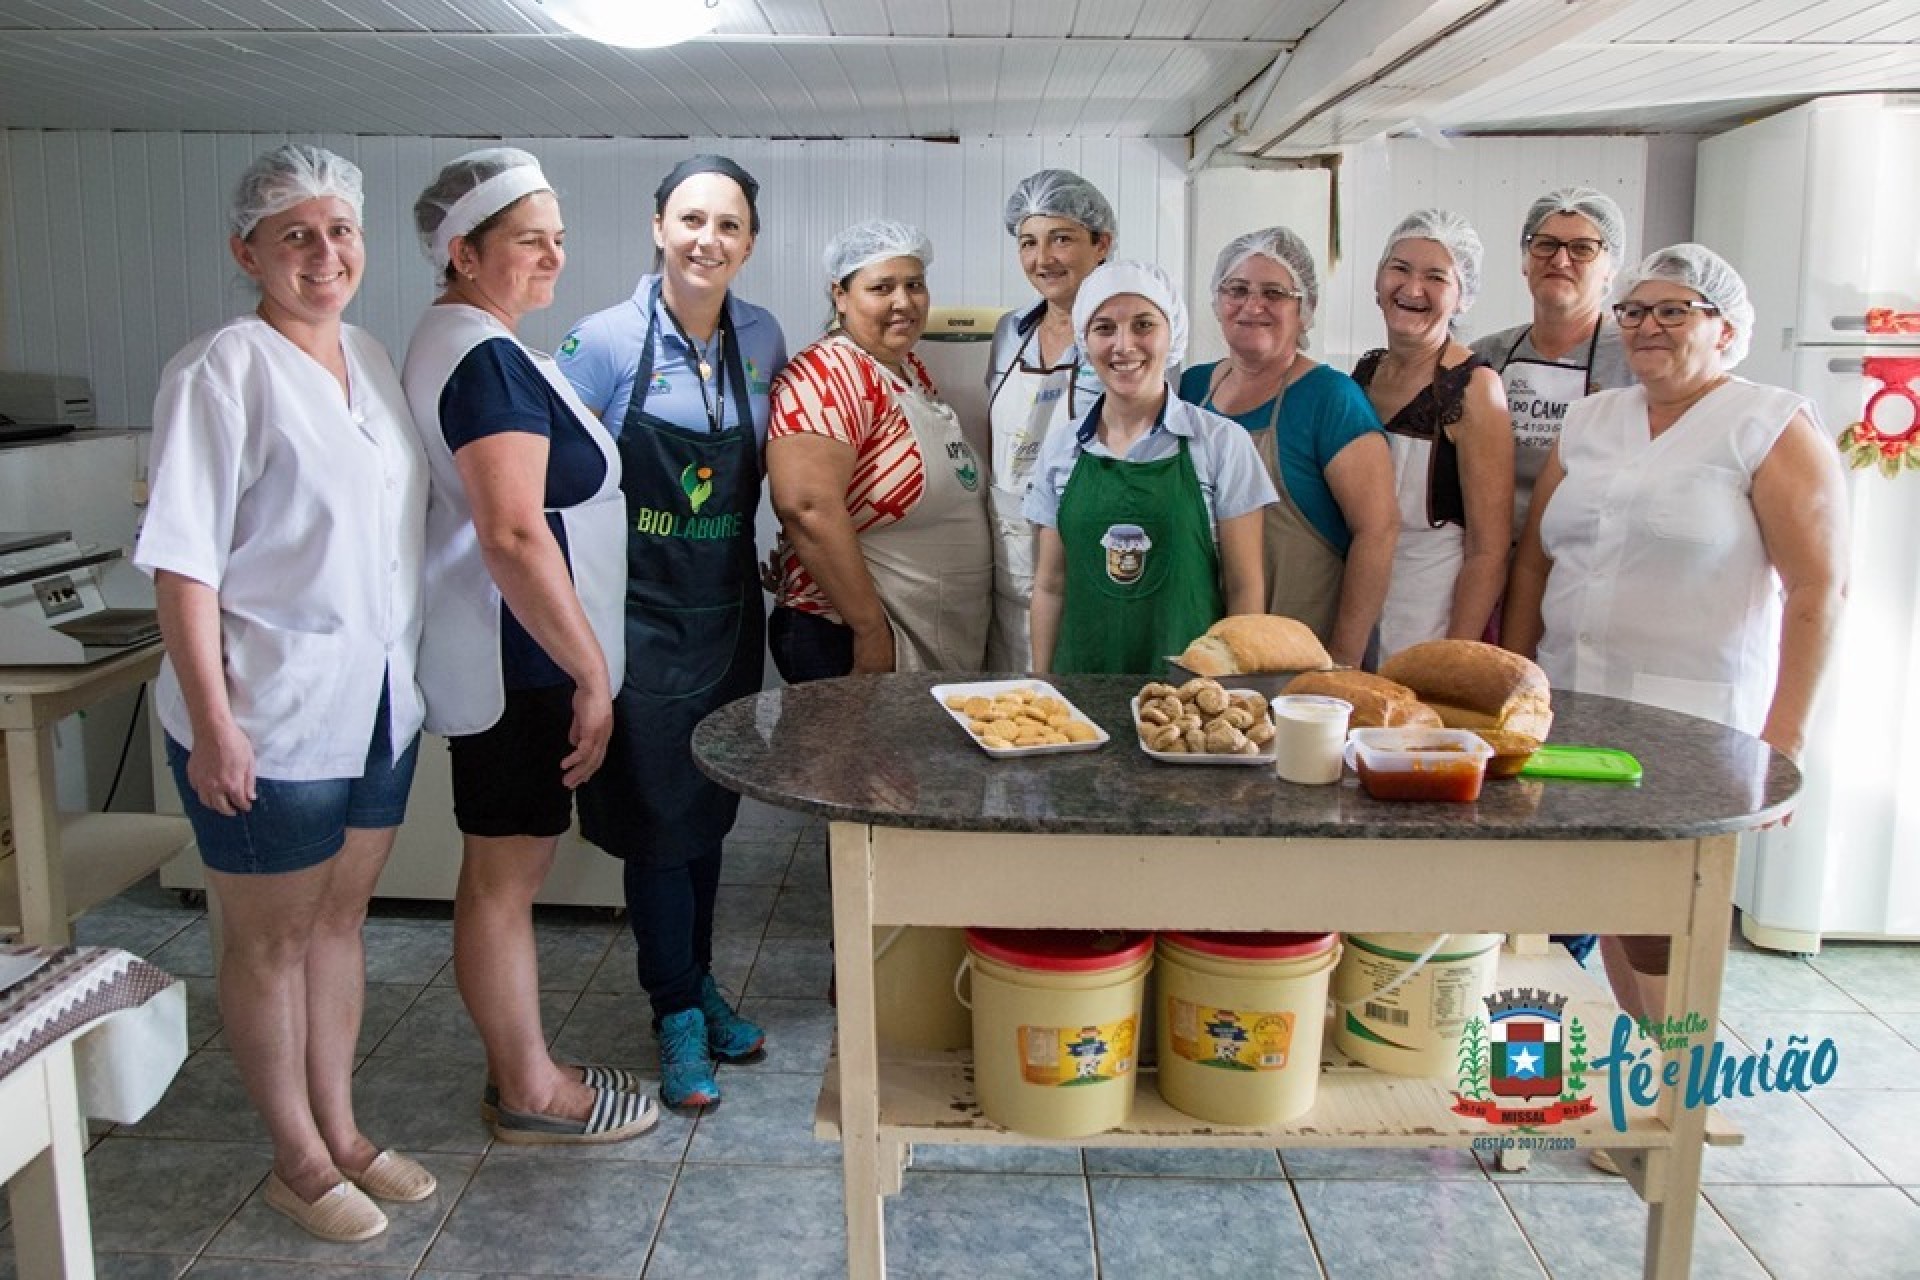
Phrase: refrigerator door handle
[1844,324]
[1846,364]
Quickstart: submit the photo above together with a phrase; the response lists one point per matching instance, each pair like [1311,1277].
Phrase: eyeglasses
[1238,291]
[1668,315]
[1581,250]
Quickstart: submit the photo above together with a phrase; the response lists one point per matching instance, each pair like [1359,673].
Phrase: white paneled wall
[113,245]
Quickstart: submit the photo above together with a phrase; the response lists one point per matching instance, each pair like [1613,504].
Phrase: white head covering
[1281,245]
[286,176]
[470,190]
[865,243]
[1596,207]
[1696,267]
[1452,233]
[1111,279]
[1058,193]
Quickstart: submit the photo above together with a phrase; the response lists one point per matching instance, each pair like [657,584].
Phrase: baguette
[1378,703]
[1249,643]
[1476,686]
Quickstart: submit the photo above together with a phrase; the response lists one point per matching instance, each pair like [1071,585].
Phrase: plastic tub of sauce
[1419,764]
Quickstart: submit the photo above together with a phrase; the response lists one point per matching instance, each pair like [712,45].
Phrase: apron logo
[697,483]
[571,345]
[1127,546]
[959,453]
[659,385]
[755,383]
[1047,396]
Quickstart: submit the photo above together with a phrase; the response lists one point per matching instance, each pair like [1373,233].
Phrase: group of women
[551,560]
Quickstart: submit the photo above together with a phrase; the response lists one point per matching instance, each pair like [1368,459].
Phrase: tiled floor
[1827,1185]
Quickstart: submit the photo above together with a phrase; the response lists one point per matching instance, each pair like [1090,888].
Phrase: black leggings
[671,912]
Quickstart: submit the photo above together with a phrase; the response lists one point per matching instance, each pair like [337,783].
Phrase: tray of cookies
[1008,718]
[1203,722]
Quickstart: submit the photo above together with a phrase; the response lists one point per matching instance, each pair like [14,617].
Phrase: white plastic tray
[1265,757]
[1041,689]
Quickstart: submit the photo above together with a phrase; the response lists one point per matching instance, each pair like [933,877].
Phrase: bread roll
[1378,703]
[1249,643]
[1476,686]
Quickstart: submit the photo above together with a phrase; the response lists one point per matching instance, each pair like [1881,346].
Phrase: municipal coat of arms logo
[1526,1050]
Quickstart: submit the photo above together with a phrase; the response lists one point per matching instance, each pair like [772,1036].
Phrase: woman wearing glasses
[1687,543]
[1328,541]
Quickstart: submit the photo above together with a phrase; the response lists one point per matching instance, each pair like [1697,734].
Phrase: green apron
[1143,577]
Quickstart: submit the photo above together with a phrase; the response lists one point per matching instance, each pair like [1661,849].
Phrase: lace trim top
[1438,405]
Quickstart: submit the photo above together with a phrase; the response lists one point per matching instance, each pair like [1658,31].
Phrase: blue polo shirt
[599,357]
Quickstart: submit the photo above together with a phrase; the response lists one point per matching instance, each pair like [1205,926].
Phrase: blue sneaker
[730,1037]
[686,1070]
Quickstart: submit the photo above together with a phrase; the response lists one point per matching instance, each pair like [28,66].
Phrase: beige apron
[933,567]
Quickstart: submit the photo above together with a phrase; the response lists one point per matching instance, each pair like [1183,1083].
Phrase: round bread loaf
[1378,703]
[1249,643]
[1476,686]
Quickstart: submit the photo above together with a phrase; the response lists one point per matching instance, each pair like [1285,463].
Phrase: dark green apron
[1126,608]
[695,624]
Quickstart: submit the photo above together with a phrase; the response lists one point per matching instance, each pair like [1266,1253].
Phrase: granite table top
[882,750]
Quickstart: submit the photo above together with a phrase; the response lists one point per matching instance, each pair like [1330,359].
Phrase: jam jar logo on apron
[960,454]
[1127,546]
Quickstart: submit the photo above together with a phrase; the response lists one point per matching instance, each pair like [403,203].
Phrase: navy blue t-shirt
[497,388]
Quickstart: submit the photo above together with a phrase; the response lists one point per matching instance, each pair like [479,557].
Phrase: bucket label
[1231,1039]
[1076,1055]
[1441,996]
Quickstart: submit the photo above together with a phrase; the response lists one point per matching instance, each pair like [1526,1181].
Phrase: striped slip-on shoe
[594,1077]
[616,1117]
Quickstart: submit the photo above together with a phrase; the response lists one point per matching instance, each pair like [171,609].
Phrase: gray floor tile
[934,1157]
[1883,976]
[112,1266]
[1418,1163]
[259,1232]
[1598,1232]
[267,1269]
[1904,1025]
[733,959]
[1871,1055]
[733,956]
[554,1214]
[1766,982]
[756,861]
[1786,1142]
[808,870]
[612,1030]
[437,1026]
[1148,1230]
[162,1196]
[801,912]
[742,909]
[568,954]
[1436,1230]
[421,1104]
[1885,1127]
[1861,1233]
[407,951]
[1008,1226]
[759,820]
[798,967]
[203,1011]
[1551,1166]
[766,1117]
[145,898]
[189,953]
[769,1224]
[142,932]
[799,1032]
[205,1102]
[1191,1162]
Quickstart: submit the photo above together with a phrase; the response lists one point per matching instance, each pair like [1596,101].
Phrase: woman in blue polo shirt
[679,374]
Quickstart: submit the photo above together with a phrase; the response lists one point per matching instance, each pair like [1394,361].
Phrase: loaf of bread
[1476,686]
[1378,703]
[1247,643]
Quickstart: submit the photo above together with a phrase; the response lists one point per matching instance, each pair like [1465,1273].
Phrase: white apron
[1426,560]
[933,567]
[1538,395]
[460,671]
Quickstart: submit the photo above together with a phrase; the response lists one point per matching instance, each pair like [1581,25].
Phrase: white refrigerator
[1816,209]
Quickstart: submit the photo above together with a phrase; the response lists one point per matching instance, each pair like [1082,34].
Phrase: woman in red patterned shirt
[886,556]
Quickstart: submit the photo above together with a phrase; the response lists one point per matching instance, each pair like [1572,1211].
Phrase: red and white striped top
[834,389]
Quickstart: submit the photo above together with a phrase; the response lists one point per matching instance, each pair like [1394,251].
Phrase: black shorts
[506,779]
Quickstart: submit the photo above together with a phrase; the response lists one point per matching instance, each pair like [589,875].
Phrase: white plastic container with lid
[1419,764]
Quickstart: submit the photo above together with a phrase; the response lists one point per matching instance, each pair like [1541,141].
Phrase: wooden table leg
[52,1239]
[860,1146]
[36,838]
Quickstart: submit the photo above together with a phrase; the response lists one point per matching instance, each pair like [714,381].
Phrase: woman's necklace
[716,406]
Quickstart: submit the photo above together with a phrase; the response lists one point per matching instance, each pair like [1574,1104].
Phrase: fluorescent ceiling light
[635,24]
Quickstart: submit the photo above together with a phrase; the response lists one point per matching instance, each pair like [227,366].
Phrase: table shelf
[102,855]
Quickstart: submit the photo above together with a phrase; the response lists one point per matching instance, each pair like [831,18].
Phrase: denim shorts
[296,825]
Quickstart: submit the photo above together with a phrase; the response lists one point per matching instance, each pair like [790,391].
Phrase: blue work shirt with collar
[601,353]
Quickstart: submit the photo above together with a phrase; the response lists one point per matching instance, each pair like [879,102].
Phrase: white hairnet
[1058,193]
[468,191]
[1284,247]
[290,175]
[865,243]
[1452,233]
[1111,279]
[1696,267]
[1596,207]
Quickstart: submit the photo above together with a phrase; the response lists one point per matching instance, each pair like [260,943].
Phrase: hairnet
[1452,233]
[468,191]
[1284,247]
[1700,269]
[286,176]
[1596,207]
[865,243]
[709,164]
[1058,193]
[1111,279]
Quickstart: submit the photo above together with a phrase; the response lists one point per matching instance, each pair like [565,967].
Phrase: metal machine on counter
[61,603]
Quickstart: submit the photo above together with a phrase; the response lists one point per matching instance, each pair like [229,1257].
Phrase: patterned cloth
[132,1014]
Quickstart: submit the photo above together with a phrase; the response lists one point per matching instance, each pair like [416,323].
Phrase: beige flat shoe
[392,1176]
[343,1215]
[1605,1163]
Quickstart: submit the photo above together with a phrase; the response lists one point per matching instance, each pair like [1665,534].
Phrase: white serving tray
[1040,689]
[1265,757]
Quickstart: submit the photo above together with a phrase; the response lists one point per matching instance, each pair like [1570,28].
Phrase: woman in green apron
[1329,539]
[1149,510]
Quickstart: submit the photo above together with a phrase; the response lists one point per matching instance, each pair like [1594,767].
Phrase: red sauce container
[1420,764]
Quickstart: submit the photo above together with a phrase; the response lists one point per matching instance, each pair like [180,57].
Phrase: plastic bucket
[914,1004]
[1240,1016]
[1397,1014]
[1056,1027]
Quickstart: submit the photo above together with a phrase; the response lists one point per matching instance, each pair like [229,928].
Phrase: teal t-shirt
[1322,413]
